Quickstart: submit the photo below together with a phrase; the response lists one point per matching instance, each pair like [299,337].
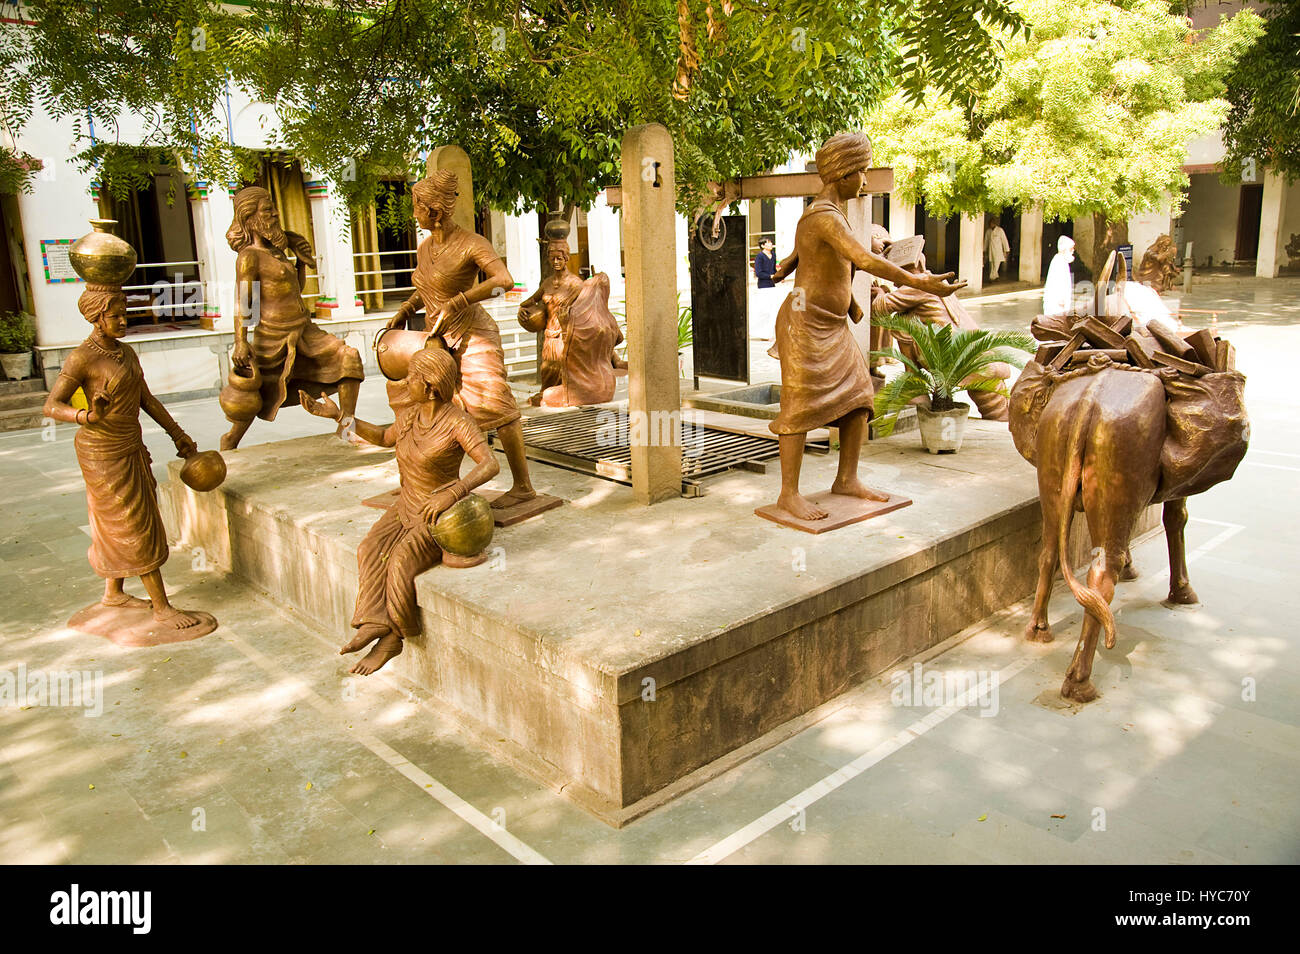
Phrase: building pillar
[1272,240]
[521,251]
[970,255]
[211,211]
[1031,245]
[605,244]
[650,252]
[902,217]
[332,242]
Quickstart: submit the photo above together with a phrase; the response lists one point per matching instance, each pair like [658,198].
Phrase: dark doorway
[9,278]
[1249,207]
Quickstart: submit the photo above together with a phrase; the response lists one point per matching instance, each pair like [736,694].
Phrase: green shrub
[16,333]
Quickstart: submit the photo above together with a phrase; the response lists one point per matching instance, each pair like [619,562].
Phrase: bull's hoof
[1129,573]
[1079,691]
[1182,596]
[1038,634]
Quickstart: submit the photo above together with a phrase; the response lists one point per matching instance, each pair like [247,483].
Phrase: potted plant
[951,360]
[16,339]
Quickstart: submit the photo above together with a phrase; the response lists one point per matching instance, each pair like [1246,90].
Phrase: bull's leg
[1039,629]
[1129,571]
[1102,575]
[1175,520]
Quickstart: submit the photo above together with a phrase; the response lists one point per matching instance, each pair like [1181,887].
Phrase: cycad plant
[951,360]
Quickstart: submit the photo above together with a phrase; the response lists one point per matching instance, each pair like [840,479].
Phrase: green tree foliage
[539,92]
[1091,112]
[1263,125]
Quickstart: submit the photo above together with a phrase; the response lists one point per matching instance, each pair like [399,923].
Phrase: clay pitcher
[241,398]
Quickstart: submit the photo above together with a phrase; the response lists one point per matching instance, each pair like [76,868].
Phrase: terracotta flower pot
[17,366]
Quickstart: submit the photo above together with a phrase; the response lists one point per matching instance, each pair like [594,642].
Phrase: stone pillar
[455,159]
[970,256]
[1272,239]
[650,253]
[1031,245]
[902,218]
[212,211]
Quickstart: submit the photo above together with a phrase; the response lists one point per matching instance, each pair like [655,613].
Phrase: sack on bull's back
[1206,432]
[1029,396]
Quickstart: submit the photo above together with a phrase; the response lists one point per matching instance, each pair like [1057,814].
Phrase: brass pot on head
[100,257]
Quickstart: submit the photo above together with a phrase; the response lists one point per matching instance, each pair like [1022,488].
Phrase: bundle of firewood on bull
[1118,414]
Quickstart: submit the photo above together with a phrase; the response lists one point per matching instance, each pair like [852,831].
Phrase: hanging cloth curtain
[365,243]
[282,177]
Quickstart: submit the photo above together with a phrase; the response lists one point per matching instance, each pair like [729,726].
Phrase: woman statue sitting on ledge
[432,436]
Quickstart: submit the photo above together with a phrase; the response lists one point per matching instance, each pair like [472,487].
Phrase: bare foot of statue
[1182,595]
[367,633]
[1038,634]
[125,600]
[536,399]
[856,488]
[515,495]
[172,618]
[388,646]
[800,507]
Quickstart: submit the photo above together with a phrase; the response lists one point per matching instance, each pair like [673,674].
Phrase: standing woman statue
[446,283]
[127,537]
[432,436]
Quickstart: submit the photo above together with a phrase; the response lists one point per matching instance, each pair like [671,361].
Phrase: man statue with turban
[447,265]
[289,351]
[824,379]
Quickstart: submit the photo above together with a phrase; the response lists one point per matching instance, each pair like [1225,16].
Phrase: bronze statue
[1158,268]
[924,306]
[447,288]
[580,334]
[127,537]
[1111,438]
[824,379]
[432,436]
[289,351]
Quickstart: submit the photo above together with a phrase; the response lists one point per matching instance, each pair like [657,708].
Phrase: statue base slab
[747,631]
[134,627]
[841,511]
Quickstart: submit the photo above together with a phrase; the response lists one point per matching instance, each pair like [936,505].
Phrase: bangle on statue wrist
[460,490]
[78,418]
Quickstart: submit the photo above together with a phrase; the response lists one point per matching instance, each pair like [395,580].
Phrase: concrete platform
[622,654]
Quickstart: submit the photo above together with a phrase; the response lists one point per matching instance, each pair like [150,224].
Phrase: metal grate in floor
[597,441]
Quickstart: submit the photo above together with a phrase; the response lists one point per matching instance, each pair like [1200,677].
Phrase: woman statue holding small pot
[127,537]
[432,435]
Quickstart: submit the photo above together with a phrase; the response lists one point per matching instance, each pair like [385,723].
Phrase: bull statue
[1109,439]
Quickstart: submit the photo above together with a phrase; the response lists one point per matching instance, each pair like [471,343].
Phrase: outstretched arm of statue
[842,240]
[371,433]
[406,311]
[788,265]
[57,406]
[185,445]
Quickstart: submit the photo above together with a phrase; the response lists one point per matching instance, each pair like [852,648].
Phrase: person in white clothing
[996,247]
[1058,291]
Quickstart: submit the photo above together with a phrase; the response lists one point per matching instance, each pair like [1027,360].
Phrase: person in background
[1058,290]
[765,263]
[997,248]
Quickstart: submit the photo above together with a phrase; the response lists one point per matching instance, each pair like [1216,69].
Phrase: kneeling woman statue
[432,436]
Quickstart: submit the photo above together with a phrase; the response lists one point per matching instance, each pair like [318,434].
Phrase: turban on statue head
[842,154]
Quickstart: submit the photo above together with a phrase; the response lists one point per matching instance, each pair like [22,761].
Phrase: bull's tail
[1087,597]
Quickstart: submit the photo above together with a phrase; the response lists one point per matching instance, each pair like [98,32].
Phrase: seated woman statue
[578,356]
[127,537]
[432,436]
